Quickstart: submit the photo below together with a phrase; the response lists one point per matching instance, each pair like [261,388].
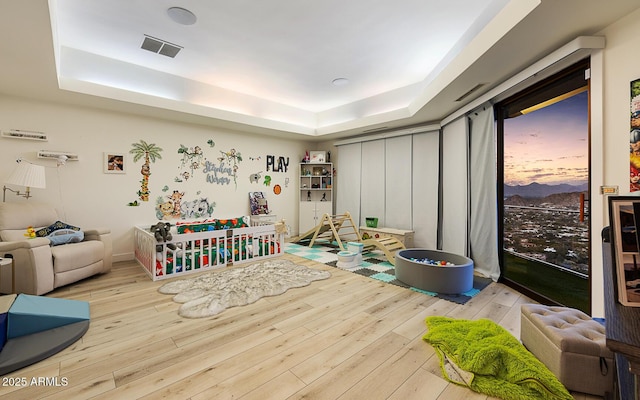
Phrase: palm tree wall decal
[150,152]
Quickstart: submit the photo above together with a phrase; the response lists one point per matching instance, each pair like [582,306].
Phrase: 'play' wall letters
[281,166]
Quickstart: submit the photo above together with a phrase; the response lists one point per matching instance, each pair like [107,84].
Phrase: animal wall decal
[176,197]
[164,209]
[172,207]
[192,159]
[198,208]
[255,178]
[150,152]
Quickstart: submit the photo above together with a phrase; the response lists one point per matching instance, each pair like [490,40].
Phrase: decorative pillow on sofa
[64,236]
[46,231]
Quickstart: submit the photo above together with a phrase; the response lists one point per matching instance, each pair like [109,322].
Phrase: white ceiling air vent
[18,134]
[160,46]
[56,155]
[374,129]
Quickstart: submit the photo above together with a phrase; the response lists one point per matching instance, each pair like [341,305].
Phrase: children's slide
[309,234]
[388,245]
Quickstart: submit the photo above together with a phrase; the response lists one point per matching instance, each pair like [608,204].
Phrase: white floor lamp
[27,175]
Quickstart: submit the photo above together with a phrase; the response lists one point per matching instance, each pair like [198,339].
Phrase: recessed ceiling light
[181,16]
[340,81]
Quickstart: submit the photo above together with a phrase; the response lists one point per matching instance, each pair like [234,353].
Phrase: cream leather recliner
[41,267]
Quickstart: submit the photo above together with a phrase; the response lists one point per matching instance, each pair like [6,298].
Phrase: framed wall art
[318,156]
[634,142]
[115,163]
[624,217]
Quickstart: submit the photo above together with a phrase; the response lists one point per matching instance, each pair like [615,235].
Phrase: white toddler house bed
[198,246]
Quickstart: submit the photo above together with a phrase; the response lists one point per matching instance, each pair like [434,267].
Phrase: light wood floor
[348,337]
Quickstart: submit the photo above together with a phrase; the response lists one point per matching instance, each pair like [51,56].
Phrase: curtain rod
[390,134]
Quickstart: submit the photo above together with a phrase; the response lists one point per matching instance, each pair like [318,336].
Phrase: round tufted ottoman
[571,345]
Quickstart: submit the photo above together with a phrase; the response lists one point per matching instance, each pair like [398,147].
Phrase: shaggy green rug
[488,359]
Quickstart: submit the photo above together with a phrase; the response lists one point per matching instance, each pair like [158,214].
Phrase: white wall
[620,60]
[87,197]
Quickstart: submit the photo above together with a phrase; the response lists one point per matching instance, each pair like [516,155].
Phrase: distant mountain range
[538,190]
[557,200]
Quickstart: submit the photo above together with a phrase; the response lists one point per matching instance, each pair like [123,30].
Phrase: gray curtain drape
[395,179]
[349,180]
[426,161]
[483,224]
[455,187]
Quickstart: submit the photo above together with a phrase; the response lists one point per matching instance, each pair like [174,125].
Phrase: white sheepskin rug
[211,293]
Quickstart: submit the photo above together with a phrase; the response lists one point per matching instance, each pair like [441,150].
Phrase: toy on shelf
[31,233]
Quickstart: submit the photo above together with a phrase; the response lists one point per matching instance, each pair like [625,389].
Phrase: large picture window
[543,185]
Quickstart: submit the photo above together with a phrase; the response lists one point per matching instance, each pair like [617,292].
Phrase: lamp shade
[29,175]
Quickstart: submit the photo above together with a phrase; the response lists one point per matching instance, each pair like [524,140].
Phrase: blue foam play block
[31,314]
[5,304]
[3,329]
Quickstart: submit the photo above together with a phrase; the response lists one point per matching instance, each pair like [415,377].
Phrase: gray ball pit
[450,279]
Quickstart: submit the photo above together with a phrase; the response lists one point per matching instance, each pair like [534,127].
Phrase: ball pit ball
[428,261]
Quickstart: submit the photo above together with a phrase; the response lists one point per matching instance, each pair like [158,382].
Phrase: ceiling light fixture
[340,81]
[181,16]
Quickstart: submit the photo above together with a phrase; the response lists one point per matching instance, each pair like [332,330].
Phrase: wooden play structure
[341,228]
[330,226]
[388,245]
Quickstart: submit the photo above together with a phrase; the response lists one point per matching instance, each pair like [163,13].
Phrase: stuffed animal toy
[162,233]
[31,233]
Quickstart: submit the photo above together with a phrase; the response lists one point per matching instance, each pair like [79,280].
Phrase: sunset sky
[549,145]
